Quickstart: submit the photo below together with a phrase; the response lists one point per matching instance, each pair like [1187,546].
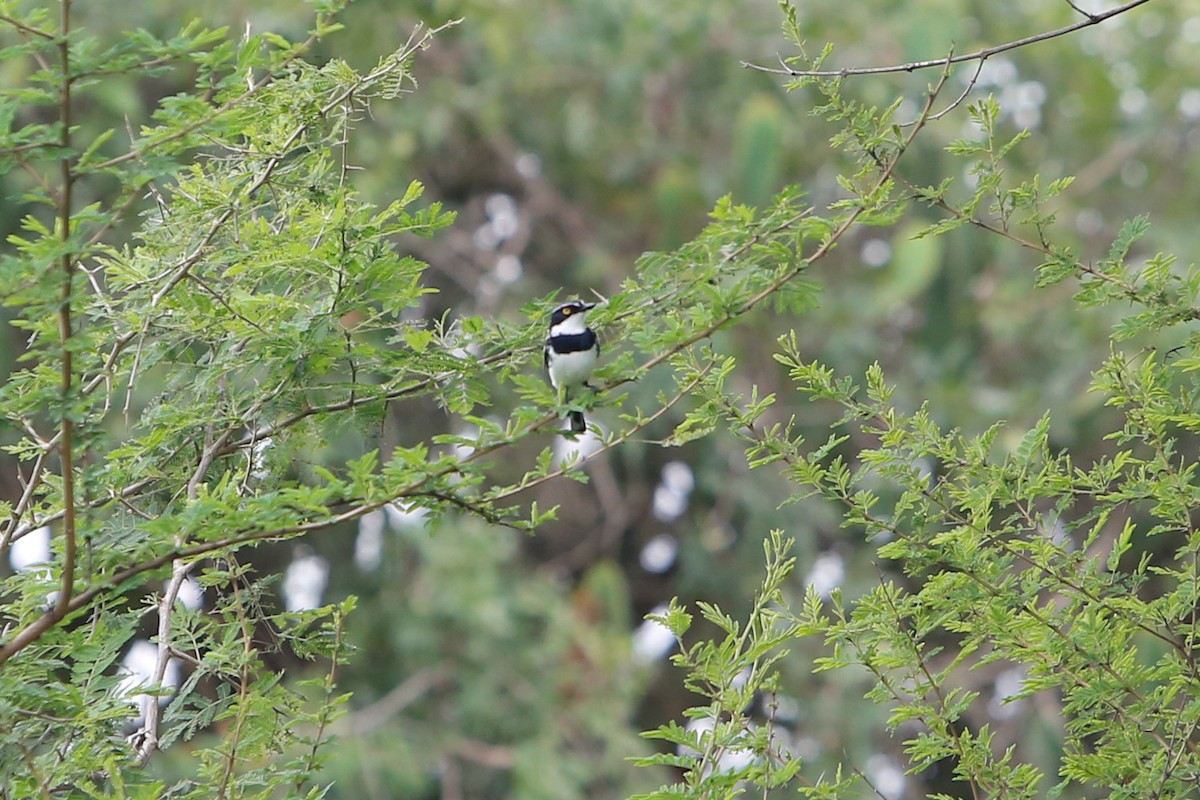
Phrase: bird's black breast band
[573,342]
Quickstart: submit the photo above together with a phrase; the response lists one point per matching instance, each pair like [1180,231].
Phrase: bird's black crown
[567,309]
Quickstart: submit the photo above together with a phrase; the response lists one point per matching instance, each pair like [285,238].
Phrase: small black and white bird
[570,353]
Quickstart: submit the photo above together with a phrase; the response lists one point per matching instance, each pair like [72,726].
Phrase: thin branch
[26,29]
[133,379]
[43,184]
[196,279]
[328,706]
[885,175]
[29,147]
[408,389]
[35,480]
[987,52]
[1128,289]
[244,708]
[1079,10]
[943,714]
[180,568]
[66,446]
[958,101]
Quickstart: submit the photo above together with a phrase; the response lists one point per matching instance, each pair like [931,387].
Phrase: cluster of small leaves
[1165,293]
[723,750]
[992,202]
[279,728]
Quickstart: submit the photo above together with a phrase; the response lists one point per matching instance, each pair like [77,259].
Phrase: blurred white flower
[652,640]
[305,580]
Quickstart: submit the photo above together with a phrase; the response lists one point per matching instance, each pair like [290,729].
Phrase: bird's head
[575,308]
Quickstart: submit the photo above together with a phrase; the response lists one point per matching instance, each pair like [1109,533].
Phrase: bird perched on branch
[570,353]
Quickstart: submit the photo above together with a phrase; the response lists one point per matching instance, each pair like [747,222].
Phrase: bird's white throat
[576,323]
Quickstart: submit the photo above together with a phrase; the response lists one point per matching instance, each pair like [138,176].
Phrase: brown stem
[66,448]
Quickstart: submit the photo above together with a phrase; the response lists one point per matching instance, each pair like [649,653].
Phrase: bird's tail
[578,423]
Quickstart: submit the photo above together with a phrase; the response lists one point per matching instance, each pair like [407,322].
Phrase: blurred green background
[573,137]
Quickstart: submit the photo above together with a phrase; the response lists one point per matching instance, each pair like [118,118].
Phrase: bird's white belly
[572,369]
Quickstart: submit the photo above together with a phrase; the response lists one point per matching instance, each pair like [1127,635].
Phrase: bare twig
[1079,10]
[978,55]
[958,101]
[27,495]
[51,192]
[152,710]
[203,284]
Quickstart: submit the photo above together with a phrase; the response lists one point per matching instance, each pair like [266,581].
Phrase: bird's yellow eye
[566,312]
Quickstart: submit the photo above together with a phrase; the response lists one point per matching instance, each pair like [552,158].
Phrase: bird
[570,353]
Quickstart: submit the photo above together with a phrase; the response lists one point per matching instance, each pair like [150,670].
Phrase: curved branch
[978,55]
